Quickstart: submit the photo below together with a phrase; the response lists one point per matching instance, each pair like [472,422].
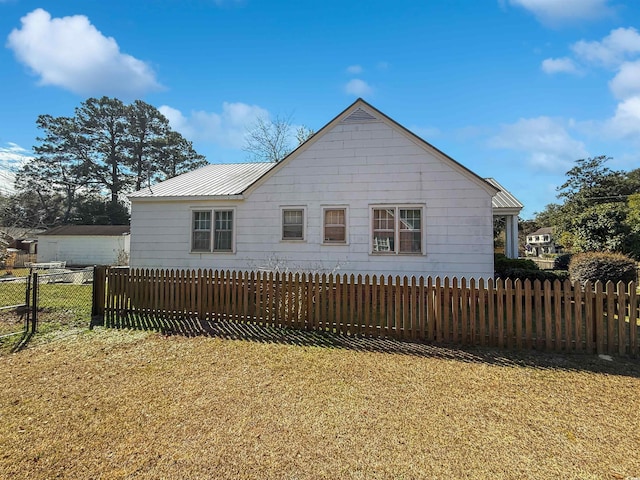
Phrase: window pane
[223,236]
[383,242]
[383,219]
[222,241]
[410,231]
[335,226]
[410,242]
[292,224]
[201,234]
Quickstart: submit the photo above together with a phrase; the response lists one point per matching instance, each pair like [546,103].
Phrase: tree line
[599,209]
[85,165]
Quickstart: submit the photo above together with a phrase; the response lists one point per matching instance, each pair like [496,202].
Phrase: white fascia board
[506,211]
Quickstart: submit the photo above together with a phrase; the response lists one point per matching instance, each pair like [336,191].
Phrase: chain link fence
[14,293]
[46,301]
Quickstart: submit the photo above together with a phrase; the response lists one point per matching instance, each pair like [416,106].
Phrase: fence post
[27,305]
[98,297]
[34,302]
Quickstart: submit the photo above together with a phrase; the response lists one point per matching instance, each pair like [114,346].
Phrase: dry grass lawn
[111,404]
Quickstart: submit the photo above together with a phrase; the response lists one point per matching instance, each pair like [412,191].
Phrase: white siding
[82,250]
[358,165]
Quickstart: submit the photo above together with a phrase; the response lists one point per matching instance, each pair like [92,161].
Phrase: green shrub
[562,261]
[532,275]
[605,267]
[502,264]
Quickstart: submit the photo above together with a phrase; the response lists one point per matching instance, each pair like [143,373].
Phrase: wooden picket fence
[561,317]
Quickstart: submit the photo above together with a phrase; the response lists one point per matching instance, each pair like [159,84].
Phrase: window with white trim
[396,230]
[334,225]
[293,224]
[223,233]
[212,230]
[201,234]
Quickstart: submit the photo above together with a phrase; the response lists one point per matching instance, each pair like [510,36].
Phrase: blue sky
[512,89]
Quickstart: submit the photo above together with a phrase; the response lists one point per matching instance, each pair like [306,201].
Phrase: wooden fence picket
[554,316]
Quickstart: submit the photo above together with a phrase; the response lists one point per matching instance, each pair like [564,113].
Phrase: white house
[362,195]
[81,245]
[540,242]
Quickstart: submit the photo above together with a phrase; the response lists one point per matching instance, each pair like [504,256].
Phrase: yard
[291,405]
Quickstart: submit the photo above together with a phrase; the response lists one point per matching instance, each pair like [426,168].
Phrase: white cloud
[554,12]
[626,121]
[12,157]
[226,129]
[546,141]
[559,65]
[354,69]
[612,50]
[626,83]
[69,52]
[358,87]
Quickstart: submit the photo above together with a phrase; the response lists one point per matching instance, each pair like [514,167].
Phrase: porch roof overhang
[503,202]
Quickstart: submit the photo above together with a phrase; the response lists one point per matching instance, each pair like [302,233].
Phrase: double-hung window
[397,229]
[212,230]
[201,234]
[334,225]
[293,224]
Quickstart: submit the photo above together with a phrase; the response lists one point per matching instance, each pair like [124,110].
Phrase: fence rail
[547,316]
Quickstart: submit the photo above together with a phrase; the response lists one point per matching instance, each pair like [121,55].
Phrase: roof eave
[506,211]
[187,198]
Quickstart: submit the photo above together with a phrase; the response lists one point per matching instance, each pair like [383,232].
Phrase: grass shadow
[254,332]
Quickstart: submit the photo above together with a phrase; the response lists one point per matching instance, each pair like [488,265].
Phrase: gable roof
[237,179]
[89,230]
[361,111]
[542,231]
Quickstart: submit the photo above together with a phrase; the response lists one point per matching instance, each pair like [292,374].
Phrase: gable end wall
[352,164]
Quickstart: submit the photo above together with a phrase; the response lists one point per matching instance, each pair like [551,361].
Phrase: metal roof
[89,230]
[503,199]
[210,180]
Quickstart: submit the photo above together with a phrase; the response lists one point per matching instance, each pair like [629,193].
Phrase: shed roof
[219,179]
[89,230]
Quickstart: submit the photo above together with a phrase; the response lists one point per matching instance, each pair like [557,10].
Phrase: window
[224,231]
[410,230]
[335,225]
[208,236]
[293,224]
[397,230]
[201,236]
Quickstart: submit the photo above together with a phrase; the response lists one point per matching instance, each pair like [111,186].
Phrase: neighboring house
[22,244]
[363,195]
[23,240]
[540,242]
[81,245]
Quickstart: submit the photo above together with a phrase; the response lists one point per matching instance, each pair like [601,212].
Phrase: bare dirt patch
[125,404]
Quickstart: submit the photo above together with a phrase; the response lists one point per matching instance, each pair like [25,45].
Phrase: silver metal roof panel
[210,180]
[504,198]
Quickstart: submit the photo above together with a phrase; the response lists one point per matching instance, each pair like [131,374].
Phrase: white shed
[81,245]
[363,195]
